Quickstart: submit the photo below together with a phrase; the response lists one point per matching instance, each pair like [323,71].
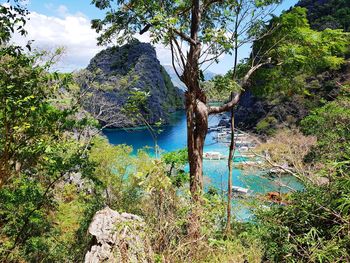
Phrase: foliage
[169,23]
[176,162]
[313,227]
[54,175]
[266,125]
[115,169]
[37,155]
[220,87]
[38,152]
[330,124]
[287,148]
[28,120]
[12,18]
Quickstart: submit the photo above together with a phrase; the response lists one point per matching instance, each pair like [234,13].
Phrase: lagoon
[173,137]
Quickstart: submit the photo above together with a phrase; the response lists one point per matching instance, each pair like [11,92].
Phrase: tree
[12,18]
[248,25]
[197,34]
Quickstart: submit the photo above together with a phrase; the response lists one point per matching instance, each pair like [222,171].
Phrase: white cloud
[74,33]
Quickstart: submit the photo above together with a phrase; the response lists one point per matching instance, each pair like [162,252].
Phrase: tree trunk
[230,169]
[197,127]
[232,143]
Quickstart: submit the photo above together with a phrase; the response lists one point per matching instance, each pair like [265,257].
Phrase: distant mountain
[208,75]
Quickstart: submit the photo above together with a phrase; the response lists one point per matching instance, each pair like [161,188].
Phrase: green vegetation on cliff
[333,14]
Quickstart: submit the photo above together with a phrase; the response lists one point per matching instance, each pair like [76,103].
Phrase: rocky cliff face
[263,115]
[118,72]
[324,14]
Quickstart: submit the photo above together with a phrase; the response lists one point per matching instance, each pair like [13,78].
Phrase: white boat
[226,130]
[240,190]
[213,156]
[243,141]
[221,137]
[216,128]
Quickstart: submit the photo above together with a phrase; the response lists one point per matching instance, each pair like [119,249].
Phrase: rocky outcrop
[119,72]
[118,238]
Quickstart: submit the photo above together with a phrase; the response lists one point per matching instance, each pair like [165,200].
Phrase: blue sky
[74,6]
[56,23]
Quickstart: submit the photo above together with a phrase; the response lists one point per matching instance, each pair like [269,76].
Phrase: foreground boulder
[118,238]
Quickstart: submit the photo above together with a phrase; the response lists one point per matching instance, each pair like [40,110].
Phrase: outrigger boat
[240,190]
[216,128]
[214,156]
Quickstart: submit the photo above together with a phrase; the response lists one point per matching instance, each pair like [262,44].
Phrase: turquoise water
[173,137]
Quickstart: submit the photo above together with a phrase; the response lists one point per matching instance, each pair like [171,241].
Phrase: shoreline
[173,117]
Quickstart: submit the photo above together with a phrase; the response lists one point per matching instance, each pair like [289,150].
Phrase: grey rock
[118,238]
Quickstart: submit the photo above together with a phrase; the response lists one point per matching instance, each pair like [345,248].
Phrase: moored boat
[240,190]
[213,156]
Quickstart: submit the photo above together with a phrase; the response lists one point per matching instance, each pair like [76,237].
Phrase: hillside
[73,191]
[334,14]
[298,90]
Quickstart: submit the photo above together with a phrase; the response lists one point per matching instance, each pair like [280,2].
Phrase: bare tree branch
[185,37]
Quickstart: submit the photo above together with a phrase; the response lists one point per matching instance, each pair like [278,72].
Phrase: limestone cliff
[117,72]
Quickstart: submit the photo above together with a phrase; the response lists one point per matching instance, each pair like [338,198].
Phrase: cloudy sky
[66,23]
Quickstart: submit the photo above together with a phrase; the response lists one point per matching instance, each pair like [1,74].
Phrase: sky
[66,23]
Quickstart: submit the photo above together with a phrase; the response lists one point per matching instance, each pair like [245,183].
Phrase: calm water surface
[173,137]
